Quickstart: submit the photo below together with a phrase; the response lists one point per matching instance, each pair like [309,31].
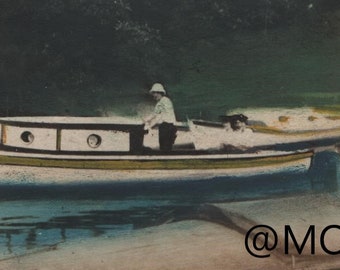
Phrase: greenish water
[276,69]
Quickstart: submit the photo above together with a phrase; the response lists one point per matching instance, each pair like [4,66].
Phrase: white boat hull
[28,168]
[83,150]
[14,174]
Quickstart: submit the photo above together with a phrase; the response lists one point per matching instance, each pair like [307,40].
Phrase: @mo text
[262,240]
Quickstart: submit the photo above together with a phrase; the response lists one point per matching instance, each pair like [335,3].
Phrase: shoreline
[213,238]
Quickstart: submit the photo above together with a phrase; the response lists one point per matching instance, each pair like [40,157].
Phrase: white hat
[157,88]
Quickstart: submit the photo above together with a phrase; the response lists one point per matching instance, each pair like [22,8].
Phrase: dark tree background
[57,56]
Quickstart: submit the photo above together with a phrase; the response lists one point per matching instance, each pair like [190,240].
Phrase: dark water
[36,217]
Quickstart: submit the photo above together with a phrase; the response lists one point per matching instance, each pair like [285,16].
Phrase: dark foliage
[71,47]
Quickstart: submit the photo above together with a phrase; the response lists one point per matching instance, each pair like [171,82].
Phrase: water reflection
[31,239]
[324,172]
[34,217]
[8,242]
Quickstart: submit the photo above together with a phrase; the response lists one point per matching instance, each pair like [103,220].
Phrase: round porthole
[94,140]
[27,137]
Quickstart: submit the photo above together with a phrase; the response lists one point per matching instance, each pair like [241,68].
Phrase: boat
[272,129]
[87,149]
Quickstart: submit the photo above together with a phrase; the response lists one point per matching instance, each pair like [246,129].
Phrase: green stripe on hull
[168,164]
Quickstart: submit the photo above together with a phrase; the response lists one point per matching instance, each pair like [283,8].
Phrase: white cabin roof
[75,120]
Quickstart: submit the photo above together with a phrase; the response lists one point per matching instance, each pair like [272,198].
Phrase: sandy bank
[182,245]
[216,241]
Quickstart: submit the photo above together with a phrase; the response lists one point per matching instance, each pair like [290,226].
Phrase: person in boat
[164,116]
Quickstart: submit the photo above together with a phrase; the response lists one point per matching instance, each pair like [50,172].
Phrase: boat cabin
[72,134]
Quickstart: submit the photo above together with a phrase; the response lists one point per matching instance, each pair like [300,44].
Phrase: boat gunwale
[153,163]
[157,154]
[82,126]
[268,129]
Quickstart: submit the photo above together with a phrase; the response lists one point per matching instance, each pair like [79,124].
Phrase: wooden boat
[68,149]
[279,129]
[253,137]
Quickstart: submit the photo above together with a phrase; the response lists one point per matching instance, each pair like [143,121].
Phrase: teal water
[281,68]
[33,218]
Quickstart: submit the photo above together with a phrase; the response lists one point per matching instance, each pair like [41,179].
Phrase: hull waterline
[38,170]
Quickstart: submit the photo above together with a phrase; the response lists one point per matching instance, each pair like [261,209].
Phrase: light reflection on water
[35,217]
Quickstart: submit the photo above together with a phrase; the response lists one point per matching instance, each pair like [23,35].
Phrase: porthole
[94,140]
[27,137]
